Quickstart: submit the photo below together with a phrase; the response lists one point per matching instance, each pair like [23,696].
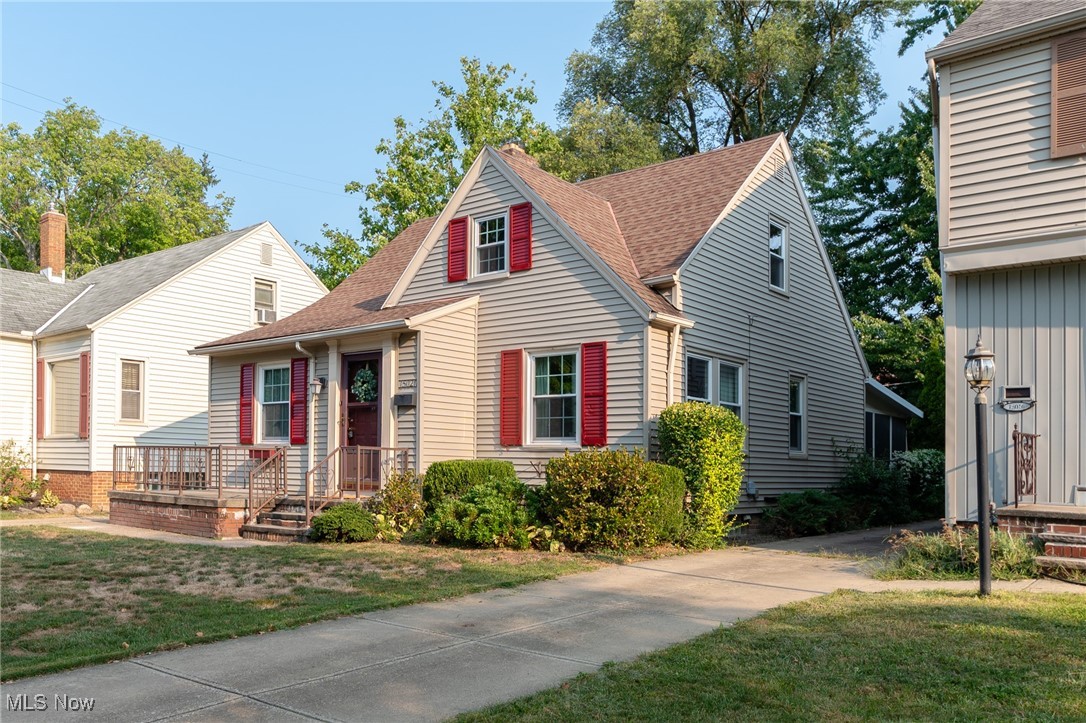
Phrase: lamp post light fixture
[979,373]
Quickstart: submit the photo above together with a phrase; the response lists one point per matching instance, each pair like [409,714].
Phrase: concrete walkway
[428,662]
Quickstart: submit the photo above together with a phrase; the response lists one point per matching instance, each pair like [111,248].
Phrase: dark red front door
[362,419]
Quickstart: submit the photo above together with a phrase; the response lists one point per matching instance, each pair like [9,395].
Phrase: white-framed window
[132,382]
[778,256]
[274,397]
[64,397]
[797,414]
[264,301]
[491,245]
[554,389]
[697,379]
[729,387]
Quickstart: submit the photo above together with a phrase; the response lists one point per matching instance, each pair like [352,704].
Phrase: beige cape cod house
[1011,140]
[102,360]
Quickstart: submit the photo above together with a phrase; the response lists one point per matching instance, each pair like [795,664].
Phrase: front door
[362,421]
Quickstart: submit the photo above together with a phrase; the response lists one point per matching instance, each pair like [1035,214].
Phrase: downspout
[34,409]
[311,396]
[671,364]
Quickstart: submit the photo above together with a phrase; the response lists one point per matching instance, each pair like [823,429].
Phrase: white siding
[210,302]
[804,332]
[17,404]
[1001,179]
[67,452]
[560,303]
[1033,320]
[448,376]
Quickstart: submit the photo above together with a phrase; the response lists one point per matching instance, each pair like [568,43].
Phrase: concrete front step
[1050,562]
[1063,537]
[274,533]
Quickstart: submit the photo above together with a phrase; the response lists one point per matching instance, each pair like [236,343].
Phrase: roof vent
[266,254]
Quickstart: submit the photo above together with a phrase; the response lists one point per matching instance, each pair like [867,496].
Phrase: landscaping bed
[849,656]
[71,598]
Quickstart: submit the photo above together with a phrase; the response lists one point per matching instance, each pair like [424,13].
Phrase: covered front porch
[231,490]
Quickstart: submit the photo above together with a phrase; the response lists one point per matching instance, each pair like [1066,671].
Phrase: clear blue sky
[306,89]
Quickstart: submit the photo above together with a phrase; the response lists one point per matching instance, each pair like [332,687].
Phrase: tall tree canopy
[428,159]
[125,194]
[706,73]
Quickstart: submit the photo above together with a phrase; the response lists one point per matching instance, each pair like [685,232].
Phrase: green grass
[848,657]
[71,598]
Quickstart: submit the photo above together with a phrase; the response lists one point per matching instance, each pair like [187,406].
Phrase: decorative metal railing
[358,470]
[182,469]
[267,483]
[1025,465]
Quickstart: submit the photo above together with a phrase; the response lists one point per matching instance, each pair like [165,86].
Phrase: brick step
[1065,537]
[274,533]
[1049,562]
[284,515]
[263,519]
[1062,549]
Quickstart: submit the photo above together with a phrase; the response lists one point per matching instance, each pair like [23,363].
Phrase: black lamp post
[979,372]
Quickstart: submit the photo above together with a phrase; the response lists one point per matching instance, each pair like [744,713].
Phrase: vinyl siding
[448,379]
[223,407]
[1001,180]
[407,374]
[559,304]
[659,350]
[17,405]
[210,302]
[67,452]
[804,332]
[1033,320]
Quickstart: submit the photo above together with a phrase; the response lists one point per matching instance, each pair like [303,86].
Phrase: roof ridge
[699,154]
[576,185]
[115,264]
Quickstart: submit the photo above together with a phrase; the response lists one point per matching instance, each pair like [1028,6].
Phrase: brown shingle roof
[665,209]
[357,300]
[996,16]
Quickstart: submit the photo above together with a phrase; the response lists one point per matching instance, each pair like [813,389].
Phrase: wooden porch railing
[179,469]
[1025,465]
[267,483]
[361,470]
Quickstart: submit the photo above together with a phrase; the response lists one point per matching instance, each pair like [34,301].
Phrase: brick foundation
[89,488]
[182,514]
[1032,520]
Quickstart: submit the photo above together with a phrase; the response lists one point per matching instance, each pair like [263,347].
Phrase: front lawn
[846,657]
[70,598]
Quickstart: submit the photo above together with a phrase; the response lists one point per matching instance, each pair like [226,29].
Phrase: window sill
[572,445]
[492,276]
[132,422]
[793,454]
[779,291]
[62,438]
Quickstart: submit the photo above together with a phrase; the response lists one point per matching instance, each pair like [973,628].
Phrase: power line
[220,168]
[173,140]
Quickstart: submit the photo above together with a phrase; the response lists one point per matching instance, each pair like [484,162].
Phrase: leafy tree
[705,73]
[125,194]
[949,13]
[601,139]
[427,160]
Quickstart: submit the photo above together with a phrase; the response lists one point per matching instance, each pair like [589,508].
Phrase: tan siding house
[1012,220]
[535,316]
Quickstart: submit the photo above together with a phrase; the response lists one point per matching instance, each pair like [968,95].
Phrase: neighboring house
[1011,140]
[534,316]
[103,360]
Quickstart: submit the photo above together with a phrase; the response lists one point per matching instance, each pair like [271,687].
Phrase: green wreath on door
[364,386]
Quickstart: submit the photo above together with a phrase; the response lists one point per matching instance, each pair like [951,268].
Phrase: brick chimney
[51,229]
[516,149]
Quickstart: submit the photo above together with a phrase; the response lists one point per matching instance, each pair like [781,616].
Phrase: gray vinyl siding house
[619,282]
[1012,224]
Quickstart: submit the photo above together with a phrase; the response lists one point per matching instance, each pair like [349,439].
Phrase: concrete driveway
[428,662]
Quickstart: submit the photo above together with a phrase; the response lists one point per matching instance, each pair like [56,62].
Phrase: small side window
[778,257]
[131,391]
[797,409]
[697,379]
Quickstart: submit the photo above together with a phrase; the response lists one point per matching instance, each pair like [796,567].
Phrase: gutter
[1018,34]
[311,398]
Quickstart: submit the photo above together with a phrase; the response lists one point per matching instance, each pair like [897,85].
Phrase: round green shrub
[811,512]
[706,443]
[612,499]
[489,514]
[346,522]
[454,477]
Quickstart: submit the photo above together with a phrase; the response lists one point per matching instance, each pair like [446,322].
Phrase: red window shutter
[594,394]
[511,410]
[1069,95]
[299,380]
[520,237]
[245,405]
[84,395]
[458,249]
[39,422]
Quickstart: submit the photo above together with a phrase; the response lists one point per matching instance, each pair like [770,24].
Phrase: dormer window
[490,245]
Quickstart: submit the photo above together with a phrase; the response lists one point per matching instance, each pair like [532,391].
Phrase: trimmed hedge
[612,499]
[454,477]
[706,443]
[489,514]
[346,522]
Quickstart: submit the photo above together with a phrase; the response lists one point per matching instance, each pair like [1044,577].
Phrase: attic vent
[266,254]
[780,169]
